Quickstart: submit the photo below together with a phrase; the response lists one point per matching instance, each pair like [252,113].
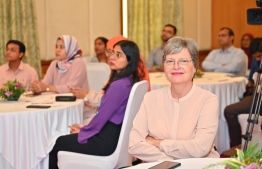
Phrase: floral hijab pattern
[72,50]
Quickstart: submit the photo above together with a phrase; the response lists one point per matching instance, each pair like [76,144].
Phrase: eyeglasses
[245,39]
[117,55]
[222,35]
[109,52]
[180,62]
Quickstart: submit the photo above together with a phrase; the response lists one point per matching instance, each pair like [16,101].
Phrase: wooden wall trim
[45,64]
[202,55]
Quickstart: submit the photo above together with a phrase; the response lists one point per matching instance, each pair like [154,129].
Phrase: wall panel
[84,19]
[197,22]
[232,13]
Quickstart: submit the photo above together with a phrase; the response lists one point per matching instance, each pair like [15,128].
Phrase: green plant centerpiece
[250,159]
[199,73]
[12,90]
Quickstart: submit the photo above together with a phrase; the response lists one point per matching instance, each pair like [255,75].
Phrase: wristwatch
[47,89]
[86,98]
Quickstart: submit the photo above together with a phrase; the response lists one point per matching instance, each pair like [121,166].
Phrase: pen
[43,103]
[223,80]
[158,76]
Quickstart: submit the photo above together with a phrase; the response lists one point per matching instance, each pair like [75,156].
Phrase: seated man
[228,59]
[154,63]
[232,111]
[15,68]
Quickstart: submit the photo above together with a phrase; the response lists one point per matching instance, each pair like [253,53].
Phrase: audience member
[232,111]
[92,98]
[101,135]
[245,43]
[142,66]
[228,59]
[67,71]
[154,63]
[100,49]
[254,50]
[184,122]
[15,68]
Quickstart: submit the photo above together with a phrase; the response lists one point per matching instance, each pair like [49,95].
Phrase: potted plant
[12,90]
[250,159]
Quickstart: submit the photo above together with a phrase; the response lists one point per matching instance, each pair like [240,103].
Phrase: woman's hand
[153,141]
[35,87]
[75,128]
[79,93]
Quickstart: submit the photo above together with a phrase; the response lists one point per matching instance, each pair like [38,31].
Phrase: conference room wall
[84,19]
[232,13]
[88,19]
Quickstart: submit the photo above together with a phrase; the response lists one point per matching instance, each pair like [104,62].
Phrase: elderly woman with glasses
[178,121]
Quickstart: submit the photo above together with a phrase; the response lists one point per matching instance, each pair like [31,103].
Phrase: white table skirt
[228,90]
[190,163]
[28,135]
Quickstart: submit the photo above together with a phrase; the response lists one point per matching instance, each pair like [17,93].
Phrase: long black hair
[131,51]
[103,39]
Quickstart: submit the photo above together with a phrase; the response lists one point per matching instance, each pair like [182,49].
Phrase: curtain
[18,22]
[146,19]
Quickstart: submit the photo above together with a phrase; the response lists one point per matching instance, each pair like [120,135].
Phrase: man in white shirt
[228,58]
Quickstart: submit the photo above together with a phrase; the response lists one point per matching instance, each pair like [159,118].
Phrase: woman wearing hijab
[67,71]
[245,43]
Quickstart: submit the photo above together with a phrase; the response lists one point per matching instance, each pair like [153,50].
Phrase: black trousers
[103,144]
[231,113]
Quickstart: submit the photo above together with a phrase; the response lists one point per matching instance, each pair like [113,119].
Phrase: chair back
[135,99]
[86,59]
[97,75]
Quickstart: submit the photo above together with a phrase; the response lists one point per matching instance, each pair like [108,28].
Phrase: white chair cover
[97,75]
[121,157]
[257,132]
[87,59]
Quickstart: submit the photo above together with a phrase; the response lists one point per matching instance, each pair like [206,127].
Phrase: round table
[195,163]
[228,88]
[28,135]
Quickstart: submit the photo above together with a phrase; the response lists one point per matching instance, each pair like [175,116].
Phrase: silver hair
[176,44]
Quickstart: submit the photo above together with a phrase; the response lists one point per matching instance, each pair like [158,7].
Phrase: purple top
[112,108]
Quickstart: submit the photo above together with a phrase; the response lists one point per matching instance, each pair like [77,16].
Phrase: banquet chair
[97,75]
[120,157]
[257,132]
[86,59]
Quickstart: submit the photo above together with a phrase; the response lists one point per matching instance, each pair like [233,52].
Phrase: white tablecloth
[227,88]
[28,135]
[190,163]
